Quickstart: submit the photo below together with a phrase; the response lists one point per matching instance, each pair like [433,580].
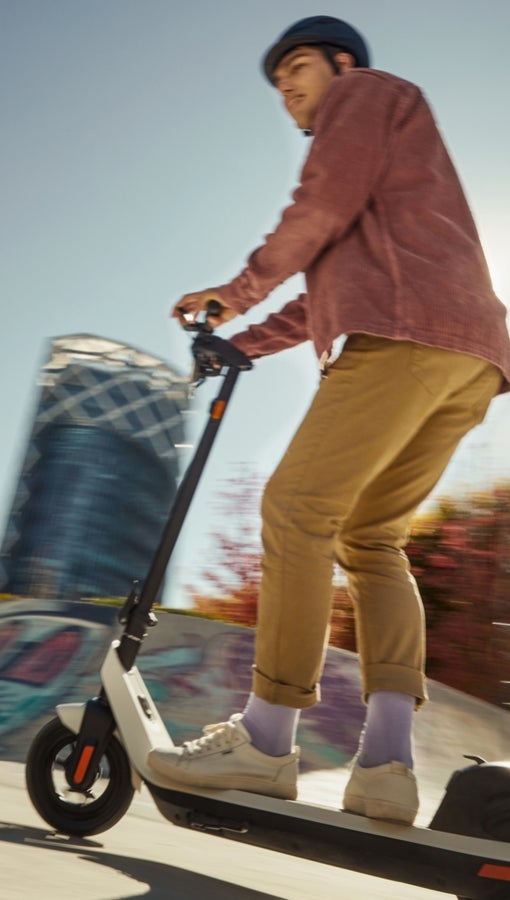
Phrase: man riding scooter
[413,346]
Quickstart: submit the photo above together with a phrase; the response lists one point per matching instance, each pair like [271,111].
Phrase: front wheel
[65,809]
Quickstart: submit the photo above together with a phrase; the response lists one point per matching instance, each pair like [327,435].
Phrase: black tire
[70,812]
[499,895]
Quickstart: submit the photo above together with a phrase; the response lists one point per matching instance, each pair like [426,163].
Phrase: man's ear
[345,61]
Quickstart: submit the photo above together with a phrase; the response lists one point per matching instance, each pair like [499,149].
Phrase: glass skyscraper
[99,474]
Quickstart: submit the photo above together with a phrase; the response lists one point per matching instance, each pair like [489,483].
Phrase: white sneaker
[383,792]
[226,759]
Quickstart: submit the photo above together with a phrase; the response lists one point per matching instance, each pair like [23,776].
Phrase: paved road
[144,856]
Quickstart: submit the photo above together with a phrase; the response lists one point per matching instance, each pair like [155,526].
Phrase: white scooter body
[139,725]
[416,855]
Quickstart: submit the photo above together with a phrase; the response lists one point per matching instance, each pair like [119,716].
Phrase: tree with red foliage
[459,553]
[234,583]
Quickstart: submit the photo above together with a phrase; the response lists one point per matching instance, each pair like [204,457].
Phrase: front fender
[71,715]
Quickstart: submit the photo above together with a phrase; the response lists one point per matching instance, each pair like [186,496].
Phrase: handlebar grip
[213,308]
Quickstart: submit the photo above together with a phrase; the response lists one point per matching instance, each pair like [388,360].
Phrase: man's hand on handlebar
[188,308]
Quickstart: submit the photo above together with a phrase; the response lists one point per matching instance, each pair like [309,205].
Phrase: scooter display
[84,765]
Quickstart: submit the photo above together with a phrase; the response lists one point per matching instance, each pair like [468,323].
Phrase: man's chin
[302,122]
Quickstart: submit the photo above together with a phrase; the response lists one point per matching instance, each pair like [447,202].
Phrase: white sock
[387,732]
[272,727]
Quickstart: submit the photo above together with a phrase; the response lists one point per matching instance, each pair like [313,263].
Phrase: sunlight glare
[498,260]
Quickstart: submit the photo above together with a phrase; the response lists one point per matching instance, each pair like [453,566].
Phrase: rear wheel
[501,894]
[70,811]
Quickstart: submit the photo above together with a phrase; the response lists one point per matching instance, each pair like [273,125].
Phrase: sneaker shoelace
[208,729]
[220,736]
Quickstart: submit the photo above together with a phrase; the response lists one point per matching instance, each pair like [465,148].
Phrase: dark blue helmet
[317,30]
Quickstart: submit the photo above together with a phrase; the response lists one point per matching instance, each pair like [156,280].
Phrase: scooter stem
[136,614]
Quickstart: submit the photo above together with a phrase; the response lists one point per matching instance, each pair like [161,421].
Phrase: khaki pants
[378,435]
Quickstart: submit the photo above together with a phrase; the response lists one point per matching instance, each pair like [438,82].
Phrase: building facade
[99,474]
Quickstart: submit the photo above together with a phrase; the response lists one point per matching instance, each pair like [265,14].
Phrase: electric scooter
[84,765]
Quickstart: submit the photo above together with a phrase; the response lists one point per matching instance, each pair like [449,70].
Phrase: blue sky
[143,156]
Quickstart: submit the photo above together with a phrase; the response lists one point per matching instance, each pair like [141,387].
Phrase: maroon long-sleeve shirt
[382,231]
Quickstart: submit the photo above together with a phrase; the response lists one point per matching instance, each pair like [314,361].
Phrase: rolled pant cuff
[387,677]
[283,694]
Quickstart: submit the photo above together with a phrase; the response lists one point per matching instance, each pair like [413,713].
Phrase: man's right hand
[188,307]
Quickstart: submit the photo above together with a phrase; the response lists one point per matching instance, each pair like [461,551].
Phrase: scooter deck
[464,866]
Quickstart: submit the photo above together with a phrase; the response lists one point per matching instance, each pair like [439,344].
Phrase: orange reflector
[83,762]
[500,873]
[218,409]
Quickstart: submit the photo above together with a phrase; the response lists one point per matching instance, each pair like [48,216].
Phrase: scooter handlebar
[212,353]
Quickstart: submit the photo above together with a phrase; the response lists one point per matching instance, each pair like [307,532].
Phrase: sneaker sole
[229,783]
[380,809]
